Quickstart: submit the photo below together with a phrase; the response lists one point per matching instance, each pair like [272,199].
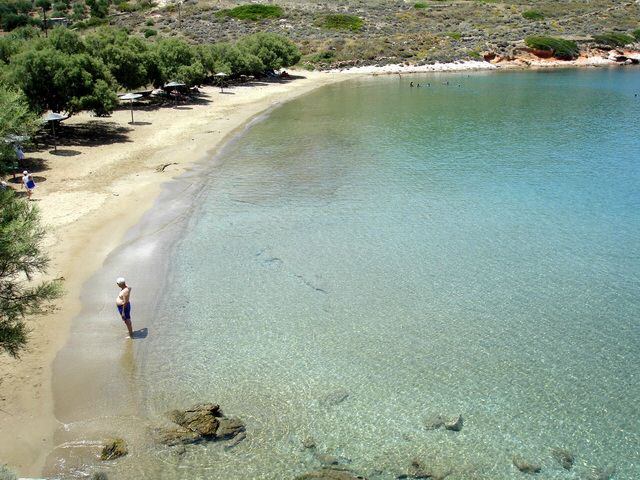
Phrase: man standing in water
[123,304]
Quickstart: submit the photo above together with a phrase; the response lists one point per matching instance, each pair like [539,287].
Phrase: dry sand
[90,194]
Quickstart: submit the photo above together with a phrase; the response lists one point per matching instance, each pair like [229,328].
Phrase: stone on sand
[525,466]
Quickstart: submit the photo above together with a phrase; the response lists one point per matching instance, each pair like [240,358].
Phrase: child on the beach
[30,185]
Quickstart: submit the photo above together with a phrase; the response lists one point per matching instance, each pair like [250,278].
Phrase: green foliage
[52,79]
[420,5]
[273,50]
[613,39]
[21,257]
[253,12]
[341,21]
[533,15]
[177,60]
[149,22]
[561,48]
[150,32]
[228,58]
[15,119]
[636,34]
[90,23]
[454,35]
[98,8]
[79,11]
[65,40]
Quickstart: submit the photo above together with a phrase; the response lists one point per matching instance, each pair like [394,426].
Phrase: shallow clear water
[469,250]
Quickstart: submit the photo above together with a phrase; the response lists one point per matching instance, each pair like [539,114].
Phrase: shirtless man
[123,304]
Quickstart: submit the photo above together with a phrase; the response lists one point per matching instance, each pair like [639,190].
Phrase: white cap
[25,173]
[120,280]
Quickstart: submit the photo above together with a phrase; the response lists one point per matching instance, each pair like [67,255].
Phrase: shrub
[613,39]
[341,21]
[454,35]
[274,51]
[253,12]
[13,20]
[6,474]
[420,5]
[533,15]
[149,23]
[636,34]
[561,48]
[150,32]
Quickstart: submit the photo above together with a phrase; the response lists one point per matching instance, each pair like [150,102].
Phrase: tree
[21,258]
[177,60]
[15,119]
[55,80]
[44,5]
[274,51]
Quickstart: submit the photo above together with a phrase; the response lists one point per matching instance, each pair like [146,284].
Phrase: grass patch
[454,35]
[253,12]
[636,34]
[614,39]
[533,15]
[561,48]
[420,5]
[340,21]
[150,32]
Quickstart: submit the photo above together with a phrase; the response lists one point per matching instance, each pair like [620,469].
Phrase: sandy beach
[91,193]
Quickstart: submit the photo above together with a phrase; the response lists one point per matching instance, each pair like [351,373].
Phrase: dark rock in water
[199,423]
[330,474]
[202,419]
[420,470]
[309,443]
[177,436]
[180,450]
[327,459]
[335,398]
[236,440]
[434,422]
[563,457]
[229,428]
[455,424]
[525,466]
[114,448]
[602,473]
[99,476]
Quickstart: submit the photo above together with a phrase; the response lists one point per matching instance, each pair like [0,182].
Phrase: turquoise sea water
[463,250]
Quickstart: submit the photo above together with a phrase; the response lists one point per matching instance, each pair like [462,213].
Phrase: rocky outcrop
[455,424]
[114,448]
[525,466]
[204,422]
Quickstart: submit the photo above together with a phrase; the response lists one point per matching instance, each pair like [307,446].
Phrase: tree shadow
[140,123]
[32,164]
[151,104]
[65,153]
[88,134]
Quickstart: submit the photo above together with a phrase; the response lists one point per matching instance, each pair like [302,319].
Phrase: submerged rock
[309,443]
[564,457]
[114,448]
[335,398]
[99,476]
[602,473]
[330,474]
[455,424]
[204,422]
[417,469]
[525,466]
[434,422]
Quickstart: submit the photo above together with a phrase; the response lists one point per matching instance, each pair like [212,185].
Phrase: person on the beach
[30,185]
[123,304]
[25,177]
[19,153]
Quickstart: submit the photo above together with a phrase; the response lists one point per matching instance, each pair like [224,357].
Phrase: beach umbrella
[131,97]
[220,76]
[52,118]
[174,85]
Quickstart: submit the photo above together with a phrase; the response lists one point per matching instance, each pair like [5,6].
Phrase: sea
[366,259]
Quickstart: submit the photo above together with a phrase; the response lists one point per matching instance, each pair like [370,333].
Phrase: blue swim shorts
[127,311]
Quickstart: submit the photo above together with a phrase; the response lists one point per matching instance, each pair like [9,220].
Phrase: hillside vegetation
[349,32]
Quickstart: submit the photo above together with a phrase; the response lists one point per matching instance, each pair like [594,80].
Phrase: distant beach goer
[19,153]
[411,84]
[30,185]
[3,185]
[123,304]
[418,85]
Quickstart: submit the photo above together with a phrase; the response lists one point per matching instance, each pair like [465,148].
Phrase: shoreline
[89,208]
[84,204]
